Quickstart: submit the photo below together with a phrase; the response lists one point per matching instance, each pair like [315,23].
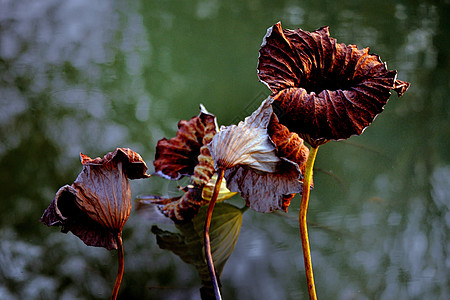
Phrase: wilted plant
[252,164]
[321,91]
[97,205]
[186,155]
[267,176]
[324,91]
[259,158]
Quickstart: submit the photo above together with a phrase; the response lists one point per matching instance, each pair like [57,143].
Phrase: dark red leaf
[178,156]
[187,154]
[97,205]
[324,90]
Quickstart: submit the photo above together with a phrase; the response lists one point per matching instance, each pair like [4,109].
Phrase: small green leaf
[226,224]
[188,242]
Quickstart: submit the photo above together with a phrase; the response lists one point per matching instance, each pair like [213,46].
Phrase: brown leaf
[204,170]
[178,156]
[289,144]
[253,164]
[247,143]
[263,191]
[186,154]
[188,205]
[180,209]
[103,190]
[134,166]
[401,87]
[183,208]
[98,203]
[64,212]
[324,90]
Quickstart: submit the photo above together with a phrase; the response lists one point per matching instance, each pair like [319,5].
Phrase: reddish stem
[209,259]
[121,266]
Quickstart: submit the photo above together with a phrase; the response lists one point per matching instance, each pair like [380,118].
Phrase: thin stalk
[209,259]
[121,265]
[302,222]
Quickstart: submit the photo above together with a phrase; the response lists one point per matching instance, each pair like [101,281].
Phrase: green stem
[121,266]
[209,259]
[302,221]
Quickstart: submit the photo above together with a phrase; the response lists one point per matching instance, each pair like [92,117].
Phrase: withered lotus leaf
[178,156]
[252,166]
[183,208]
[324,90]
[63,211]
[265,192]
[188,205]
[97,205]
[247,143]
[289,144]
[186,154]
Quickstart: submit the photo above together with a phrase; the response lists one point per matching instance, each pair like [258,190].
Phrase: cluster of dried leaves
[322,90]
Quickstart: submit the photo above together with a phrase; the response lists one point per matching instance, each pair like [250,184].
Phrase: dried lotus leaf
[133,165]
[186,154]
[178,156]
[289,144]
[247,143]
[97,205]
[265,192]
[64,212]
[103,189]
[324,90]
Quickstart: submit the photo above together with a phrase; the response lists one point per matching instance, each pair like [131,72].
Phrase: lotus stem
[121,266]
[209,259]
[302,221]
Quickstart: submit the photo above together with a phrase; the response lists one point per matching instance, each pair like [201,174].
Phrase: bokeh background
[90,76]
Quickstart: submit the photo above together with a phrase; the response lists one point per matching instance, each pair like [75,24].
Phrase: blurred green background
[90,76]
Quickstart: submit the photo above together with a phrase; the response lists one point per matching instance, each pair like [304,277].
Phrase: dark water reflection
[89,76]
